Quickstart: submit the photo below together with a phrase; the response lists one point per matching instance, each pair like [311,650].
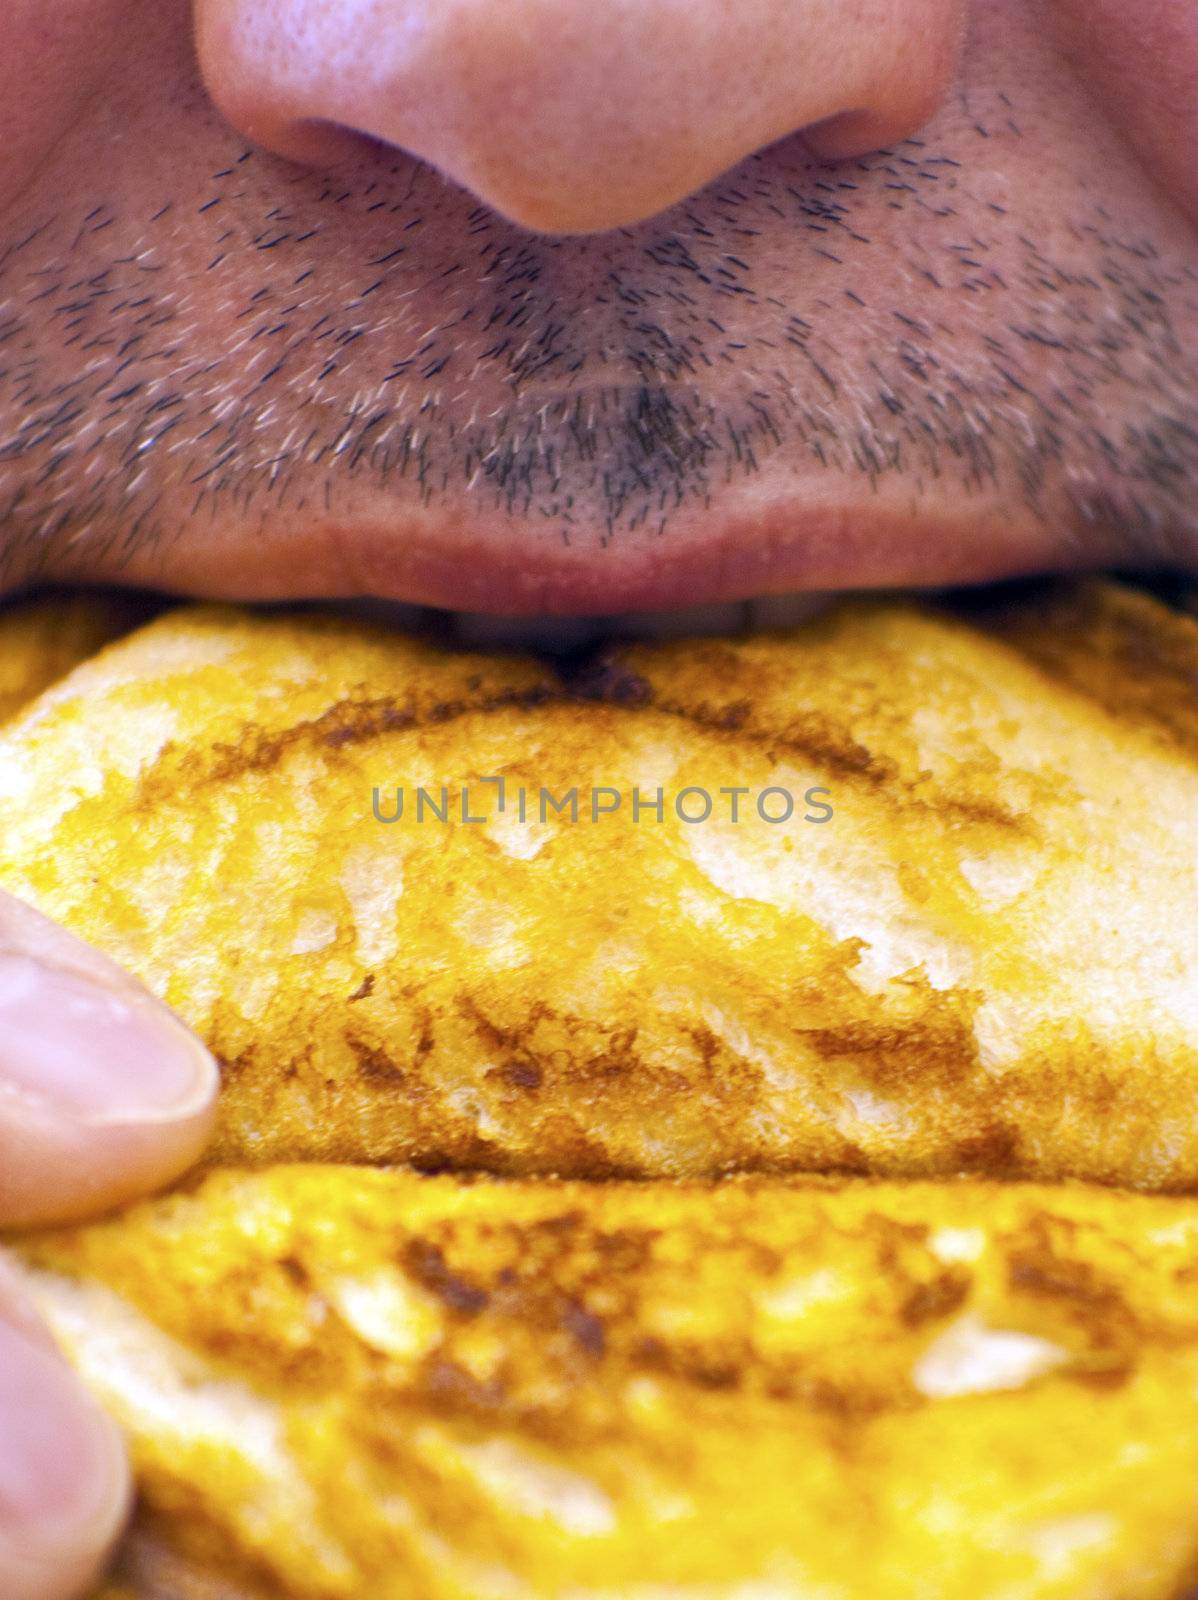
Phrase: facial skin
[535,307]
[968,352]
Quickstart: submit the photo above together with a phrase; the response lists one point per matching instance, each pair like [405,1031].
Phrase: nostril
[857,132]
[566,117]
[315,141]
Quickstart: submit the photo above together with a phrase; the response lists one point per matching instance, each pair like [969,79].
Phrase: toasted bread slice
[345,1384]
[986,959]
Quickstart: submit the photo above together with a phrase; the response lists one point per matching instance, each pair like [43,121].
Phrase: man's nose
[577,115]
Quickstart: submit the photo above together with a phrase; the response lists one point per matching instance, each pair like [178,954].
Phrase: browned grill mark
[518,1074]
[937,1048]
[615,1057]
[810,735]
[807,736]
[346,722]
[996,1151]
[586,1328]
[1038,1270]
[349,722]
[427,1264]
[931,1302]
[452,1389]
[377,1064]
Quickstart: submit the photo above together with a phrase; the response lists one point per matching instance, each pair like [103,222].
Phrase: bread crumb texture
[986,961]
[343,1379]
[343,1383]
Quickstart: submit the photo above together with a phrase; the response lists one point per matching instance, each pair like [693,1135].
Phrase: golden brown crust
[147,1568]
[1131,655]
[42,637]
[984,961]
[343,1383]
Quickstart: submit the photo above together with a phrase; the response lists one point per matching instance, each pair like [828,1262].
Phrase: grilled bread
[42,637]
[345,1384]
[972,947]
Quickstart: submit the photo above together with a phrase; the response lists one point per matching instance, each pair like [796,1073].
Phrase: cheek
[1141,57]
[53,55]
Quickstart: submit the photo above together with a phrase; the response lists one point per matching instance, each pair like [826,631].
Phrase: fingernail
[96,1054]
[63,1479]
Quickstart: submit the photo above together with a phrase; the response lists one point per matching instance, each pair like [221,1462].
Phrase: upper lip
[772,534]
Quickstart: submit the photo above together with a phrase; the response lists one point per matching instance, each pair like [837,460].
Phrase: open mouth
[550,635]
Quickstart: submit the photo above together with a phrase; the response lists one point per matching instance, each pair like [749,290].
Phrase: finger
[103,1092]
[64,1482]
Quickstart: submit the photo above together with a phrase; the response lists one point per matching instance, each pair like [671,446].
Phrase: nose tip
[572,117]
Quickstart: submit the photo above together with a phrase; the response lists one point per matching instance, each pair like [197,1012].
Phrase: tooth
[727,617]
[560,635]
[785,610]
[552,634]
